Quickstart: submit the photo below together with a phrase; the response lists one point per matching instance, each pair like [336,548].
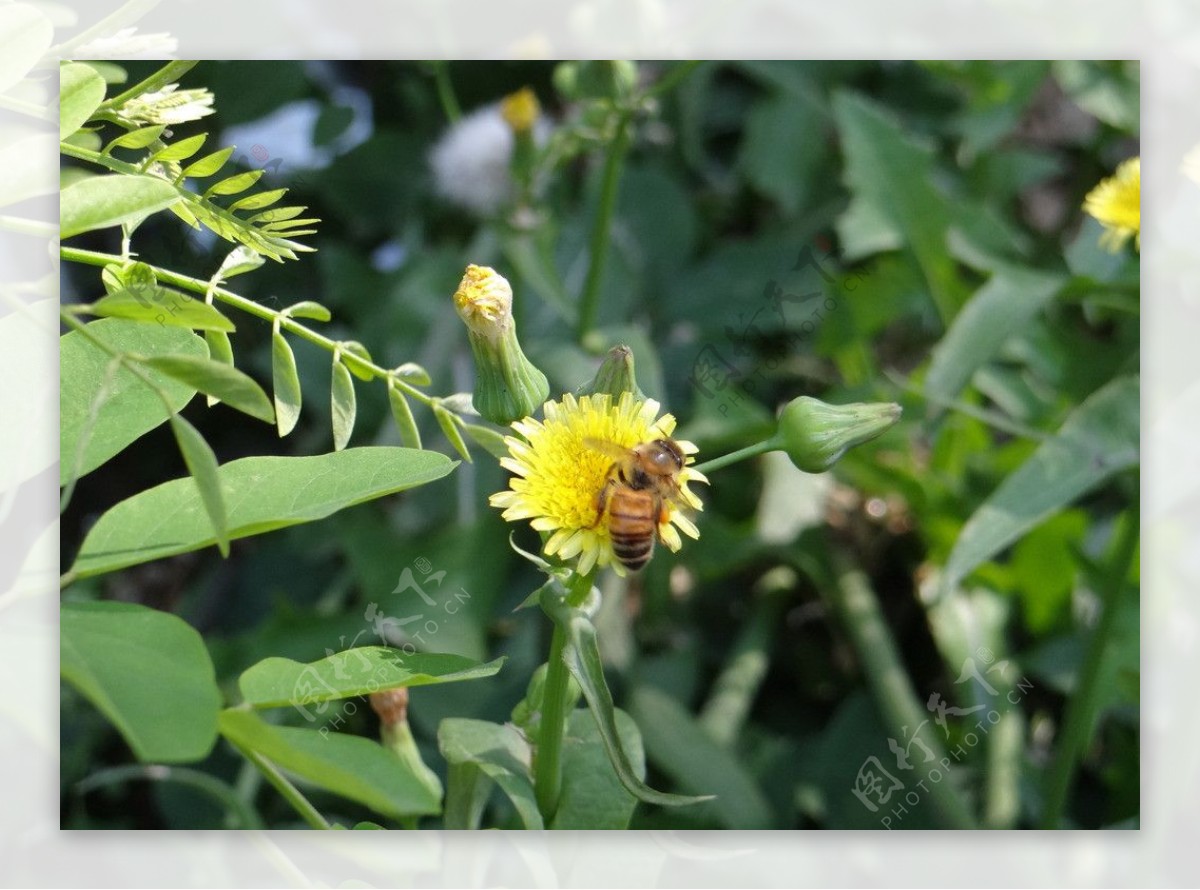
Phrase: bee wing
[612,449]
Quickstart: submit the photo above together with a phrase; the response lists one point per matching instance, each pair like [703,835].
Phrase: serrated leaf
[148,672]
[499,753]
[354,354]
[342,405]
[162,305]
[446,421]
[262,494]
[255,202]
[103,201]
[286,384]
[181,150]
[582,657]
[347,765]
[202,464]
[224,382]
[1099,439]
[139,138]
[488,439]
[410,437]
[90,430]
[1000,309]
[208,165]
[309,309]
[235,184]
[81,90]
[282,682]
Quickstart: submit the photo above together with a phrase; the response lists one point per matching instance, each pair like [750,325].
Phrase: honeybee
[641,483]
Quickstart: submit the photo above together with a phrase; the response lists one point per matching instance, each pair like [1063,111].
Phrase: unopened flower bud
[507,385]
[614,376]
[815,435]
[392,707]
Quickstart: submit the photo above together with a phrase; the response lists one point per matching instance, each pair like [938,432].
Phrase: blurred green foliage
[854,231]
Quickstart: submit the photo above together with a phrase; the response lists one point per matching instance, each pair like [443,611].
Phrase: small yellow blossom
[521,110]
[558,477]
[484,301]
[1117,203]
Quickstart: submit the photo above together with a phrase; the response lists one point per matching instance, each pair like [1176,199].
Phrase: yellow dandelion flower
[1117,203]
[558,476]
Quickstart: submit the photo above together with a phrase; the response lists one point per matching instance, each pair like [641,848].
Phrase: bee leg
[601,503]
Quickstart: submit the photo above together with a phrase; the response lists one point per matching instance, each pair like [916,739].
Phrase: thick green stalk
[555,701]
[589,302]
[290,792]
[196,285]
[858,610]
[169,73]
[1079,718]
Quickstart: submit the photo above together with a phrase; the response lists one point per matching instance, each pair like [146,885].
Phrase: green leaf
[232,185]
[147,672]
[679,747]
[219,380]
[343,406]
[286,384]
[102,201]
[220,349]
[410,437]
[1099,439]
[1000,309]
[207,165]
[139,138]
[488,439]
[81,90]
[582,657]
[91,428]
[888,169]
[499,753]
[353,356]
[202,464]
[411,372]
[592,797]
[25,35]
[262,493]
[346,765]
[785,148]
[181,150]
[309,309]
[446,421]
[278,682]
[257,201]
[239,261]
[164,306]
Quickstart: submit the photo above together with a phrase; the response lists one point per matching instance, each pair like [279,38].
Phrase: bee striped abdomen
[632,529]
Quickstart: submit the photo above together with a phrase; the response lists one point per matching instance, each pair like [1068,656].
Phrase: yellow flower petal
[1117,203]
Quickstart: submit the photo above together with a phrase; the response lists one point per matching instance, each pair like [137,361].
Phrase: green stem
[290,792]
[445,91]
[95,258]
[555,695]
[1079,718]
[733,457]
[735,689]
[589,303]
[168,73]
[858,610]
[246,815]
[672,78]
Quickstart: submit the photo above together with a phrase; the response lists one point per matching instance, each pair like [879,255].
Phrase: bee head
[665,457]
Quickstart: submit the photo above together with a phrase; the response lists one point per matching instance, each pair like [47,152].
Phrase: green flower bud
[595,79]
[816,435]
[392,707]
[615,376]
[507,385]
